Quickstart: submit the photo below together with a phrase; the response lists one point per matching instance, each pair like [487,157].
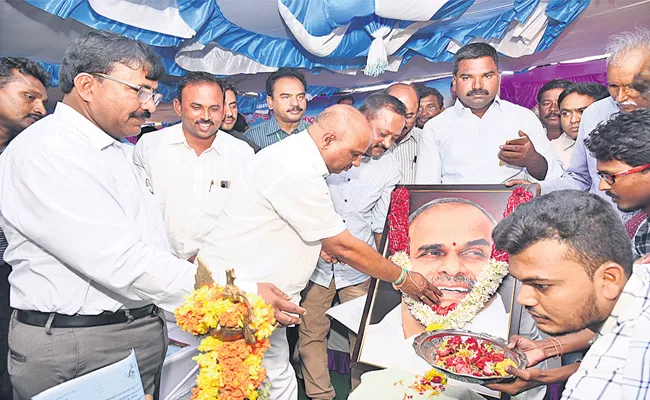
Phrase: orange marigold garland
[237,328]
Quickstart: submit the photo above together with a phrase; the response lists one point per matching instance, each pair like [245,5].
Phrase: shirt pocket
[216,197]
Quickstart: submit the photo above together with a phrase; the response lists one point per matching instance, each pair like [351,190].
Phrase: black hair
[591,89]
[554,84]
[585,223]
[427,91]
[378,101]
[99,51]
[227,84]
[473,51]
[193,77]
[23,66]
[284,73]
[346,97]
[625,138]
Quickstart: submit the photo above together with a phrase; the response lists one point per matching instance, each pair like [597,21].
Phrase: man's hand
[520,155]
[533,353]
[419,287]
[327,257]
[281,304]
[526,184]
[525,379]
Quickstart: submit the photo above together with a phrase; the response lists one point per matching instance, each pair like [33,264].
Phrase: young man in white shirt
[572,102]
[482,139]
[190,166]
[570,251]
[361,196]
[279,213]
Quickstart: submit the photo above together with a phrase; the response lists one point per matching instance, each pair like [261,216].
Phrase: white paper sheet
[119,381]
[350,313]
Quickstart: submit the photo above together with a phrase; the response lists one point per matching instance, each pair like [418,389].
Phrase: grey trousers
[39,360]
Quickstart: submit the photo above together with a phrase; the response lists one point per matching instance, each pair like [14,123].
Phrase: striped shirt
[617,366]
[406,153]
[269,132]
[641,240]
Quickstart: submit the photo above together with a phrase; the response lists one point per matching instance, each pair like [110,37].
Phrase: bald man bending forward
[278,214]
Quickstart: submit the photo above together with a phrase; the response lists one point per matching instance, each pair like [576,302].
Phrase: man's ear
[85,85]
[328,139]
[610,278]
[269,102]
[177,107]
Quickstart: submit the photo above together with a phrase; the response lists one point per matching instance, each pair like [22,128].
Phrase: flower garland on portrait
[230,366]
[454,316]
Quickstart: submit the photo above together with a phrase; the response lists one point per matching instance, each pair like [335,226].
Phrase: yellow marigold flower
[433,372]
[210,343]
[500,367]
[435,327]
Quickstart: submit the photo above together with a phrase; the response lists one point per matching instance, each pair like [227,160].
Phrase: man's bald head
[342,135]
[408,95]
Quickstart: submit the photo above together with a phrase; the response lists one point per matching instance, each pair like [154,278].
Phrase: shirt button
[348,179]
[345,200]
[343,221]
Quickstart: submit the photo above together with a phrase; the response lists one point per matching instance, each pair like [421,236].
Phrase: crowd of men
[99,237]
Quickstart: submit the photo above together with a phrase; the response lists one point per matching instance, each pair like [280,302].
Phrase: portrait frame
[382,298]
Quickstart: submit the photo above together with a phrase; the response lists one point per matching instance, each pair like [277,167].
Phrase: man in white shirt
[571,252]
[483,139]
[22,102]
[190,166]
[280,211]
[572,103]
[86,242]
[406,146]
[231,113]
[361,196]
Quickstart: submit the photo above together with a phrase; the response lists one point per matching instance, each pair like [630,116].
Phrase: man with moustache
[570,251]
[405,148]
[629,53]
[572,103]
[432,103]
[280,211]
[286,97]
[23,97]
[231,113]
[549,110]
[482,138]
[361,196]
[190,166]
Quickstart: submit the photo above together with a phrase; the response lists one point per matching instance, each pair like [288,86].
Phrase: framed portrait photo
[450,243]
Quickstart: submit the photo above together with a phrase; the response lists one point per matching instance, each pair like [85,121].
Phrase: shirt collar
[461,110]
[97,137]
[319,162]
[275,127]
[625,307]
[176,136]
[565,141]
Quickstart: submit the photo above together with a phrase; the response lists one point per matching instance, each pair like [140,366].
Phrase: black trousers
[6,391]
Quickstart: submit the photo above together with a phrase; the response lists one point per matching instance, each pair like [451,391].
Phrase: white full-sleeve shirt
[272,222]
[190,188]
[85,235]
[457,147]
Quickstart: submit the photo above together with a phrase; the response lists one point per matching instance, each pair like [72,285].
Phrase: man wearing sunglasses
[622,153]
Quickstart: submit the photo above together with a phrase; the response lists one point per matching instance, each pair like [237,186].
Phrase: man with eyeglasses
[432,103]
[622,154]
[405,147]
[90,258]
[629,52]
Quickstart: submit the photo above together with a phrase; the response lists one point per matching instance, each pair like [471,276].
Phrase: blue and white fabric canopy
[344,36]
